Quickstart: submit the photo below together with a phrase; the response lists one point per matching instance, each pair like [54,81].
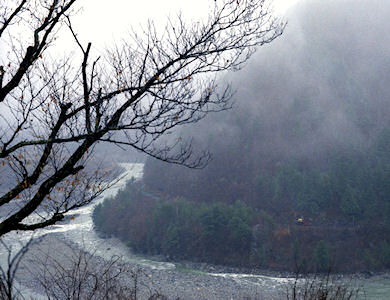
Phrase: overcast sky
[101,22]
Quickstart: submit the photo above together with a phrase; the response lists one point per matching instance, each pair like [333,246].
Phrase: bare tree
[321,287]
[8,289]
[54,111]
[65,272]
[76,274]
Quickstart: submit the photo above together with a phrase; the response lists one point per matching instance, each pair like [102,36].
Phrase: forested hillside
[310,131]
[344,186]
[308,138]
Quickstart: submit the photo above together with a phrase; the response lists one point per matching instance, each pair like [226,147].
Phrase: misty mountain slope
[309,136]
[313,100]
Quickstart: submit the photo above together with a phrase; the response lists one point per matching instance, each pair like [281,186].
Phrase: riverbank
[174,284]
[186,280]
[211,268]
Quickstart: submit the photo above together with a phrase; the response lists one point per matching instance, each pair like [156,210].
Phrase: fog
[323,84]
[319,91]
[308,136]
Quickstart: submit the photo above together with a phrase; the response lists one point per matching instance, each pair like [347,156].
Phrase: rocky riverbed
[185,280]
[175,283]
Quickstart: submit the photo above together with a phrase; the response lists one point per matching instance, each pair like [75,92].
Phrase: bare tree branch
[54,112]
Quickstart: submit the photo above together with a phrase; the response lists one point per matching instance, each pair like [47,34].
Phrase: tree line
[179,229]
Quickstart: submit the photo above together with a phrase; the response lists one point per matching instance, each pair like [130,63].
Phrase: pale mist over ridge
[324,83]
[321,87]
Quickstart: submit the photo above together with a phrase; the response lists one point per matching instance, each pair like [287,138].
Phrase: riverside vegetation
[179,229]
[236,234]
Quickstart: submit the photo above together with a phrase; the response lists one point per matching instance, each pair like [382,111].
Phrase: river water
[81,231]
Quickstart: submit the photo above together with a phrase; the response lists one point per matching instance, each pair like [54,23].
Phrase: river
[81,231]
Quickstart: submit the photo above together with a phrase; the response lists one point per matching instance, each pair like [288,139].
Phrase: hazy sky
[102,21]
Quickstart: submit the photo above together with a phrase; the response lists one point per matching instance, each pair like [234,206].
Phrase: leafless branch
[54,112]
